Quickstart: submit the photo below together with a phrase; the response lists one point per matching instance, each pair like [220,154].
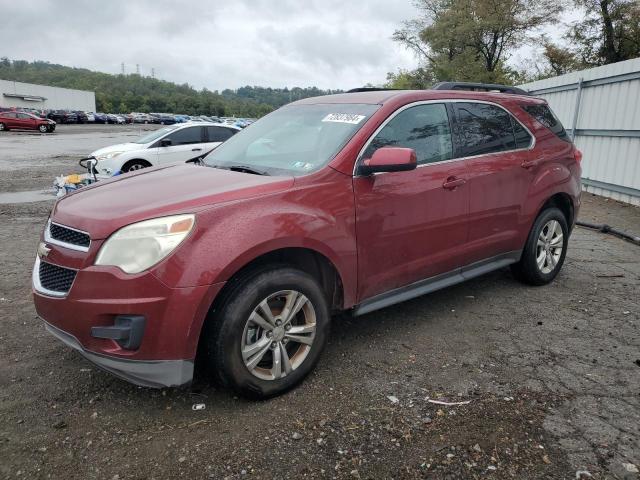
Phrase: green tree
[471,39]
[609,33]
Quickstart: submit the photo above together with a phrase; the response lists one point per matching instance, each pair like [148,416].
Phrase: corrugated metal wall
[603,106]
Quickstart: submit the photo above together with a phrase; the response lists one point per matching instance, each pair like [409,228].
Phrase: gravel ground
[551,374]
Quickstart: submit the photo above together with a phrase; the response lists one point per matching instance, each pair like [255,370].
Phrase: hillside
[135,93]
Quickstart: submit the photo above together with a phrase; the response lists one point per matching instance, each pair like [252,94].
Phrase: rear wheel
[268,332]
[133,165]
[545,250]
[3,127]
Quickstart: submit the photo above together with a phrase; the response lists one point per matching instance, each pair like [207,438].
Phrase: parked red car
[349,202]
[25,121]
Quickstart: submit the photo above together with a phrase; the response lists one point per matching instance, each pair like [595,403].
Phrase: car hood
[108,205]
[120,147]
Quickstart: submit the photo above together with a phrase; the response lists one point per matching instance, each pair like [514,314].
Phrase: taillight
[577,154]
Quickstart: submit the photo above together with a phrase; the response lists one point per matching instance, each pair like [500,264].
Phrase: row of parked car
[76,116]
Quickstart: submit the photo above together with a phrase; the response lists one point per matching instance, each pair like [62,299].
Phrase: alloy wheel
[549,247]
[278,335]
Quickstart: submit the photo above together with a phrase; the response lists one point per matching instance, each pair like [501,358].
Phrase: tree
[471,39]
[609,33]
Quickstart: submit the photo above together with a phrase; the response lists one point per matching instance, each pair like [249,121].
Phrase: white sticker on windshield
[343,118]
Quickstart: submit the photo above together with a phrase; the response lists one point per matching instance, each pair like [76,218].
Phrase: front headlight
[141,245]
[107,156]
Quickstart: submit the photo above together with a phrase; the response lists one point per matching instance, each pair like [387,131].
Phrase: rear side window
[219,134]
[424,128]
[544,115]
[523,138]
[484,129]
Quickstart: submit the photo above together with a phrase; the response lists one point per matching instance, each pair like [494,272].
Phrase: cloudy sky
[215,44]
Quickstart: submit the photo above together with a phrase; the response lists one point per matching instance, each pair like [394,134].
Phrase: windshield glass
[155,135]
[294,140]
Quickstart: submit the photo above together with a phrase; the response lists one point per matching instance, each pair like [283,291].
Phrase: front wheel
[43,128]
[268,332]
[545,250]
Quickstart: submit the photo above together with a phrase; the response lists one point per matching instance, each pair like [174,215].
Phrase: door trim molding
[431,284]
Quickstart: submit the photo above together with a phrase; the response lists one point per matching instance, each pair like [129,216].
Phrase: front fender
[317,215]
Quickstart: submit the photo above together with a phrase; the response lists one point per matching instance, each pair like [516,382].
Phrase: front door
[411,225]
[186,144]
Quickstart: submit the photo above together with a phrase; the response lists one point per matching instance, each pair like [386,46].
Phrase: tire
[231,330]
[43,129]
[548,240]
[133,165]
[3,127]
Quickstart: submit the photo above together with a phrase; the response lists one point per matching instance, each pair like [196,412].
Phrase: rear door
[10,120]
[186,144]
[495,145]
[411,225]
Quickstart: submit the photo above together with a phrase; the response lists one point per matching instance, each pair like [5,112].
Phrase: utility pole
[122,68]
[153,73]
[137,68]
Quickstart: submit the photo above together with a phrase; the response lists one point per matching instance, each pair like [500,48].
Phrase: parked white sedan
[168,145]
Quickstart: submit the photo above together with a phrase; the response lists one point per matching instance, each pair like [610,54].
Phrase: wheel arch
[564,203]
[308,260]
[134,160]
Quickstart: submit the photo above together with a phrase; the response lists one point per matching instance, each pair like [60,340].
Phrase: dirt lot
[552,374]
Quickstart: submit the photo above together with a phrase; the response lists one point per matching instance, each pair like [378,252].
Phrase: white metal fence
[600,108]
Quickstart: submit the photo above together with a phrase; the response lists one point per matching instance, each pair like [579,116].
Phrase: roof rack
[369,89]
[479,87]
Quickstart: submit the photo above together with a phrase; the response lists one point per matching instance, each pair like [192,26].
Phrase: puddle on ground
[27,197]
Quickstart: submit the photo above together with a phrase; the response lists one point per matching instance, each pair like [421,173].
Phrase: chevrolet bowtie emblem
[43,250]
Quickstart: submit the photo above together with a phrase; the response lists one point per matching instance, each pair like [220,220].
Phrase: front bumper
[146,373]
[100,296]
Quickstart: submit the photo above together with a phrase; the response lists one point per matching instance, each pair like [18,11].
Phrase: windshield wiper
[241,168]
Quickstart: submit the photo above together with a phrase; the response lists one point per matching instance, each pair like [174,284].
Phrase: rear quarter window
[544,115]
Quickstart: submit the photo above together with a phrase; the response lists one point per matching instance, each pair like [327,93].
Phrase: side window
[523,138]
[544,115]
[186,136]
[484,129]
[219,134]
[10,115]
[23,116]
[425,128]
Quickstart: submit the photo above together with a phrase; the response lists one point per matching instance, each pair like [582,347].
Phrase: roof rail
[369,89]
[479,87]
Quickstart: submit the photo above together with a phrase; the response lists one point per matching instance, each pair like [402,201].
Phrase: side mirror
[165,142]
[389,159]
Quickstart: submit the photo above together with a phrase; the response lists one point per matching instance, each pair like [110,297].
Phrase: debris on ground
[198,406]
[448,404]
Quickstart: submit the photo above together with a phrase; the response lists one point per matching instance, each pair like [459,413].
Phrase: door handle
[530,163]
[196,149]
[453,182]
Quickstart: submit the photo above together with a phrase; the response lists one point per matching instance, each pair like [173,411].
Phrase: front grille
[68,235]
[56,279]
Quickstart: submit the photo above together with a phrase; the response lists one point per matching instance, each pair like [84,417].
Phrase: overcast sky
[215,44]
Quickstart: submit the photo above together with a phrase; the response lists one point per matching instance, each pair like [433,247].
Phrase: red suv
[25,121]
[350,202]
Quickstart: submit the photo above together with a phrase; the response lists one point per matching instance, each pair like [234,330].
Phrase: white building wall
[607,125]
[55,98]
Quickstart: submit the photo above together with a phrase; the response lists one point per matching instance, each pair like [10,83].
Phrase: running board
[438,282]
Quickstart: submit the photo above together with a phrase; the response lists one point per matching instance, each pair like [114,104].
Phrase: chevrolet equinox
[349,202]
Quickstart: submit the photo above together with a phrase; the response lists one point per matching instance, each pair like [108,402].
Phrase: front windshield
[155,135]
[294,140]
